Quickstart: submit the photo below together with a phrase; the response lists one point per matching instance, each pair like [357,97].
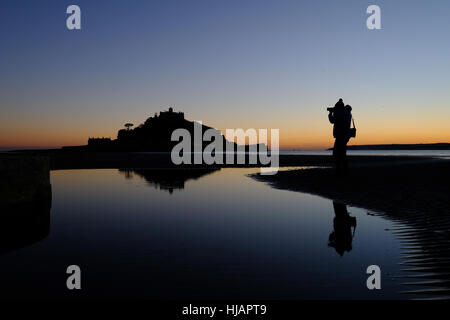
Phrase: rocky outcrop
[25,200]
[24,179]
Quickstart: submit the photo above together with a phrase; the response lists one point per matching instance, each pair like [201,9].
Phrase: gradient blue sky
[259,64]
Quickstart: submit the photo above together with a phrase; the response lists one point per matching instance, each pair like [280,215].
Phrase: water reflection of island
[167,179]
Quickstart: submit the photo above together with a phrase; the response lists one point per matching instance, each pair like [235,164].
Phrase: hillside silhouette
[154,135]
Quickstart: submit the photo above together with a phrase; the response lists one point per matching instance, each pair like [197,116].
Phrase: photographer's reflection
[341,237]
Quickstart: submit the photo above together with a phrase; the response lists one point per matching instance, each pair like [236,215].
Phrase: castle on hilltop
[170,115]
[152,135]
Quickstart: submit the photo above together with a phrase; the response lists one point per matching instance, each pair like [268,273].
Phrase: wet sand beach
[414,193]
[399,186]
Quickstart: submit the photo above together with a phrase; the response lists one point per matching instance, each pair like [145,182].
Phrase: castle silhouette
[154,135]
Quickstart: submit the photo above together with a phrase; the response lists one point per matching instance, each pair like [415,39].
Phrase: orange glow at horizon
[278,67]
[291,137]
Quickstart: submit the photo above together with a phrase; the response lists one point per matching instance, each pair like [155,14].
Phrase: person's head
[348,108]
[339,104]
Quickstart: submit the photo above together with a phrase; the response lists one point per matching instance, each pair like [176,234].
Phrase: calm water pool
[195,234]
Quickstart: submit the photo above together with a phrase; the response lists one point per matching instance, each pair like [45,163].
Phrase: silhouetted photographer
[341,117]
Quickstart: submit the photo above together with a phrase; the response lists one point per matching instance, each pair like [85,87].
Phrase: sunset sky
[229,63]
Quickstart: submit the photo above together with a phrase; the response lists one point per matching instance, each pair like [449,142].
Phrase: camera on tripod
[330,109]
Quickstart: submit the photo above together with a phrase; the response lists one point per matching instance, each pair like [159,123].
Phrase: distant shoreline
[399,147]
[106,160]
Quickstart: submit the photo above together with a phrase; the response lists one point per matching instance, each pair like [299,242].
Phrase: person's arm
[331,117]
